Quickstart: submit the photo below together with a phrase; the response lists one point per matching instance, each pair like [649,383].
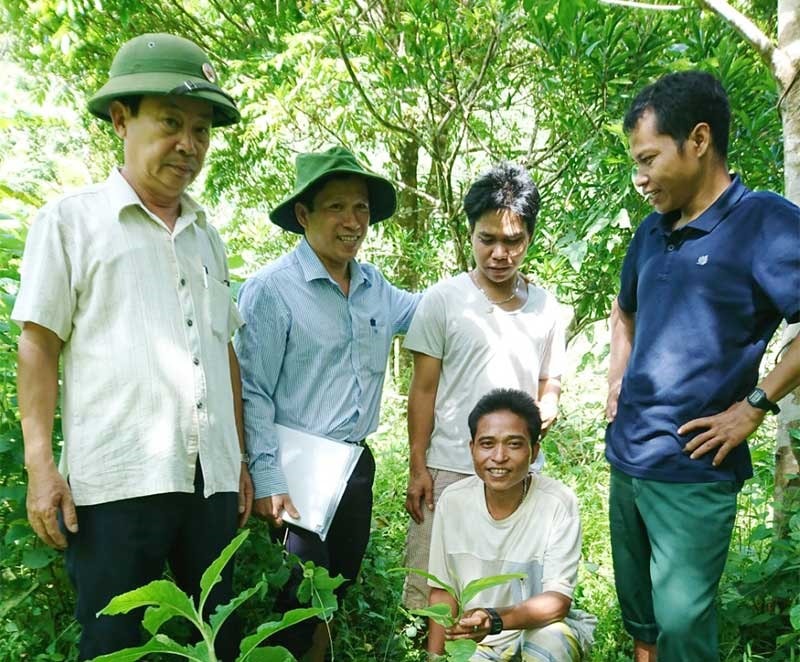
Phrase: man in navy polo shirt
[706,281]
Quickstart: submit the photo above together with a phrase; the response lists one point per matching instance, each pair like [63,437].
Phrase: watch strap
[496,626]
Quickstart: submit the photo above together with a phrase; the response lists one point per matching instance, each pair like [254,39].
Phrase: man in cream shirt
[127,282]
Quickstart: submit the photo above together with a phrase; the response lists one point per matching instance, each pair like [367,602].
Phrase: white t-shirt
[541,539]
[482,347]
[145,316]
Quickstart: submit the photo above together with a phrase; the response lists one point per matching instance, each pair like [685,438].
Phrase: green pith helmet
[313,166]
[161,64]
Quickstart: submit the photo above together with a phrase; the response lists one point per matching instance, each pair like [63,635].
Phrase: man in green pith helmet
[319,327]
[126,282]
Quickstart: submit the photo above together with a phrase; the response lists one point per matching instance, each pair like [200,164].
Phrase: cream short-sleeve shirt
[541,540]
[481,347]
[146,316]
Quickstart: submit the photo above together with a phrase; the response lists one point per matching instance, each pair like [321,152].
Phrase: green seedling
[458,650]
[164,600]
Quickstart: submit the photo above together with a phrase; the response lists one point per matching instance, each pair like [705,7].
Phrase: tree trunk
[787,70]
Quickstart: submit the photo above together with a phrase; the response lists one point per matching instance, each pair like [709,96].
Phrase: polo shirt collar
[712,216]
[122,195]
[313,269]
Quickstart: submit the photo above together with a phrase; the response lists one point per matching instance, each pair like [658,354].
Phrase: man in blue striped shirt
[313,354]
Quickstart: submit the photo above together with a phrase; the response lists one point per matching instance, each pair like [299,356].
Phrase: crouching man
[508,520]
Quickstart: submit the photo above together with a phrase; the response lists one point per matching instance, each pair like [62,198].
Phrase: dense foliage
[429,93]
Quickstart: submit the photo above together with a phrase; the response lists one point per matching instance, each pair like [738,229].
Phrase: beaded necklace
[499,302]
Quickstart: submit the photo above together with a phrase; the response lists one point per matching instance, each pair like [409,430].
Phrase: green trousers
[669,543]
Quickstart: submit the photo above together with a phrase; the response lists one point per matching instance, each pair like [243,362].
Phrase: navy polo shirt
[706,299]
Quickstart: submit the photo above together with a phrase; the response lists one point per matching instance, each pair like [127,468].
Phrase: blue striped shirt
[312,358]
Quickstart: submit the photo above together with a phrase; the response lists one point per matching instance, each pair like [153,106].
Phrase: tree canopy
[431,94]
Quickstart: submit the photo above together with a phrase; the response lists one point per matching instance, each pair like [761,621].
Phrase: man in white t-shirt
[508,520]
[479,330]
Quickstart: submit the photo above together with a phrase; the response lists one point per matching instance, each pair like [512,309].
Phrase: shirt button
[183,281]
[671,247]
[196,361]
[199,405]
[189,322]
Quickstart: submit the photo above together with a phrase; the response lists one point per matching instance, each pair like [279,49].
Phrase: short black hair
[307,197]
[508,399]
[505,186]
[680,101]
[132,102]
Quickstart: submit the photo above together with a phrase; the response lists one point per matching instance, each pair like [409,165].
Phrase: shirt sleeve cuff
[267,481]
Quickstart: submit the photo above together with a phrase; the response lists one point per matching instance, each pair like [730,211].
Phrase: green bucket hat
[161,64]
[312,166]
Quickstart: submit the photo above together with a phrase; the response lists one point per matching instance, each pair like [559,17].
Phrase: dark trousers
[341,552]
[123,545]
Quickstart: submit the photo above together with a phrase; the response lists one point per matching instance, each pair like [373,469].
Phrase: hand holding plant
[461,649]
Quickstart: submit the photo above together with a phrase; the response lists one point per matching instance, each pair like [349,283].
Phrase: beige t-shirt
[146,317]
[541,540]
[482,347]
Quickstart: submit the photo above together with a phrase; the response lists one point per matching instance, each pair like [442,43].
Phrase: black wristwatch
[497,622]
[759,400]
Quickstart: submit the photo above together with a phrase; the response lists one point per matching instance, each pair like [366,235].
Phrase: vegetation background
[430,93]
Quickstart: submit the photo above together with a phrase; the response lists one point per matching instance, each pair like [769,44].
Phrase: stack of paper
[317,470]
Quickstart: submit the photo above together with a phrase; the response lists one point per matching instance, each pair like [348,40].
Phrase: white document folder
[317,470]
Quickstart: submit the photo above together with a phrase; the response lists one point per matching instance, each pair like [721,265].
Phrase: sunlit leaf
[476,586]
[268,629]
[213,573]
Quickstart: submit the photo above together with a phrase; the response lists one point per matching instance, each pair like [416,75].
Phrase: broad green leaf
[794,522]
[213,573]
[156,616]
[38,558]
[575,253]
[439,612]
[460,650]
[235,261]
[160,592]
[794,616]
[270,654]
[268,629]
[788,639]
[158,644]
[318,588]
[223,611]
[474,587]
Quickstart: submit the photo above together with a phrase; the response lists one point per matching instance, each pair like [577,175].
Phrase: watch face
[759,400]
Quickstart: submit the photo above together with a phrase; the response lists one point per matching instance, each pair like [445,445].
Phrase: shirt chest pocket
[218,308]
[374,341]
